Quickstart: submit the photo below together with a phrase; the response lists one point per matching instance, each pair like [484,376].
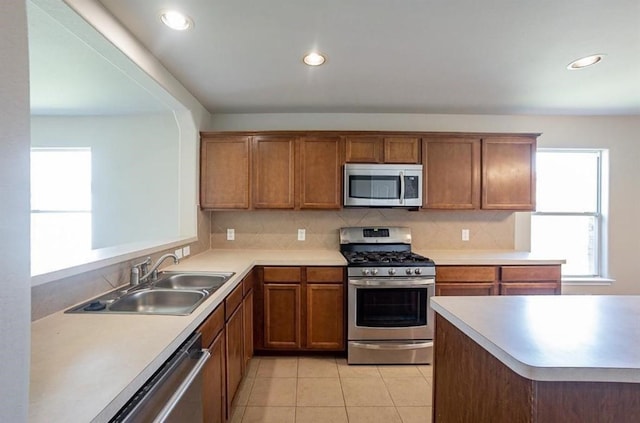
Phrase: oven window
[383,308]
[374,187]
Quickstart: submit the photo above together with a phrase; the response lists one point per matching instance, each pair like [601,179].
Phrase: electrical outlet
[178,253]
[231,234]
[465,234]
[186,251]
[302,234]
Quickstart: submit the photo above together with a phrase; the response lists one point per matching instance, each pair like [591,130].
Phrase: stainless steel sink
[174,293]
[206,281]
[159,301]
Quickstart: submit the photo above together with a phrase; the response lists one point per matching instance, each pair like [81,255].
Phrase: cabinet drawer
[534,288]
[282,274]
[212,326]
[248,282]
[530,273]
[466,273]
[325,274]
[232,301]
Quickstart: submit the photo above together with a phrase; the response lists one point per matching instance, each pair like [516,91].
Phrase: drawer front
[325,274]
[535,288]
[282,274]
[248,282]
[232,301]
[530,273]
[466,273]
[212,326]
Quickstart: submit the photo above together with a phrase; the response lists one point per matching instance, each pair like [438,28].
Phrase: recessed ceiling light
[176,20]
[585,61]
[314,59]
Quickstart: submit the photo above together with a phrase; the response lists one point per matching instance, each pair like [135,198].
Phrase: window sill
[591,281]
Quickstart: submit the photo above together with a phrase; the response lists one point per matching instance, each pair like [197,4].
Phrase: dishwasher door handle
[184,386]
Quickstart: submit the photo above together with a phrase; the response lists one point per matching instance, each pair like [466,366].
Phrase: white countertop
[487,258]
[554,338]
[84,367]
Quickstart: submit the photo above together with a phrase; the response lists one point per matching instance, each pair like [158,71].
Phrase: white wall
[14,213]
[135,172]
[621,135]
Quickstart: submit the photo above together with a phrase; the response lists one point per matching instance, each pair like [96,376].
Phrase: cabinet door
[213,386]
[234,353]
[451,173]
[325,316]
[273,172]
[224,173]
[247,305]
[363,149]
[508,173]
[402,150]
[319,169]
[282,316]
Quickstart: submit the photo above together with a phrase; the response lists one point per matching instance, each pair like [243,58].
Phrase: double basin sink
[173,293]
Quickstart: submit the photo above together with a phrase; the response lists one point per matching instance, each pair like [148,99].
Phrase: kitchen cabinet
[382,149]
[302,309]
[213,375]
[325,308]
[530,280]
[498,280]
[224,177]
[466,280]
[247,318]
[234,343]
[273,172]
[319,169]
[451,169]
[508,173]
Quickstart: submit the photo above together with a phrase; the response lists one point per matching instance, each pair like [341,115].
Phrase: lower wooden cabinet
[214,391]
[235,354]
[247,323]
[498,280]
[302,309]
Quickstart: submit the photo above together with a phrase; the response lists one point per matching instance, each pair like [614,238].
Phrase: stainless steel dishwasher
[174,393]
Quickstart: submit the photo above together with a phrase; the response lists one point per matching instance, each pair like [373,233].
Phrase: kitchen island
[537,359]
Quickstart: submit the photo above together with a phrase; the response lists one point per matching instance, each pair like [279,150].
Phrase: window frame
[598,264]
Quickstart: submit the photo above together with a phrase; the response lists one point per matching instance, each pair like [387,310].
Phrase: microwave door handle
[401,187]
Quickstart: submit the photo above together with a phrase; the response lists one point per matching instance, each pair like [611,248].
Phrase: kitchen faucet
[151,274]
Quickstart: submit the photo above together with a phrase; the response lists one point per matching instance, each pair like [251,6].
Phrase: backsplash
[435,230]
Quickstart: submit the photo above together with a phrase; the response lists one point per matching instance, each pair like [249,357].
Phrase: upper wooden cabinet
[273,181]
[319,170]
[451,173]
[382,149]
[508,173]
[224,177]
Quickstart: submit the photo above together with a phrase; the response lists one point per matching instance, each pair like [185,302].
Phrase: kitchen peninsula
[537,359]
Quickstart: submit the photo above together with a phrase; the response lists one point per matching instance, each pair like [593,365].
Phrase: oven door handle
[392,346]
[373,283]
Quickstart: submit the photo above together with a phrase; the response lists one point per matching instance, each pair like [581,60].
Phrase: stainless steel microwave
[382,185]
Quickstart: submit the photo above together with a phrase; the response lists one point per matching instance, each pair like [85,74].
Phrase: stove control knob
[374,272]
[408,271]
[392,271]
[366,272]
[418,271]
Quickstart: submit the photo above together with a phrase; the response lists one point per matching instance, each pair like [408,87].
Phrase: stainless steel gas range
[390,320]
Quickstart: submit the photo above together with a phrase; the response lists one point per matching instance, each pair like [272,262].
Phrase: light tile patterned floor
[328,390]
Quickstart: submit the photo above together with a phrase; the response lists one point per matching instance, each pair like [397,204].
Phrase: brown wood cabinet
[319,169]
[302,309]
[466,280]
[273,178]
[451,169]
[213,375]
[530,280]
[247,318]
[224,178]
[498,280]
[508,173]
[382,149]
[234,343]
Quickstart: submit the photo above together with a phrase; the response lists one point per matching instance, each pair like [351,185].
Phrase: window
[60,204]
[568,220]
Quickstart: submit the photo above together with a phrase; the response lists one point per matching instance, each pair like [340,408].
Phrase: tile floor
[327,390]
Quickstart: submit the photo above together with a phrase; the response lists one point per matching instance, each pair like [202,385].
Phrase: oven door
[390,309]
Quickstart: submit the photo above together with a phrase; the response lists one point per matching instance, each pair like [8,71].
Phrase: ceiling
[399,56]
